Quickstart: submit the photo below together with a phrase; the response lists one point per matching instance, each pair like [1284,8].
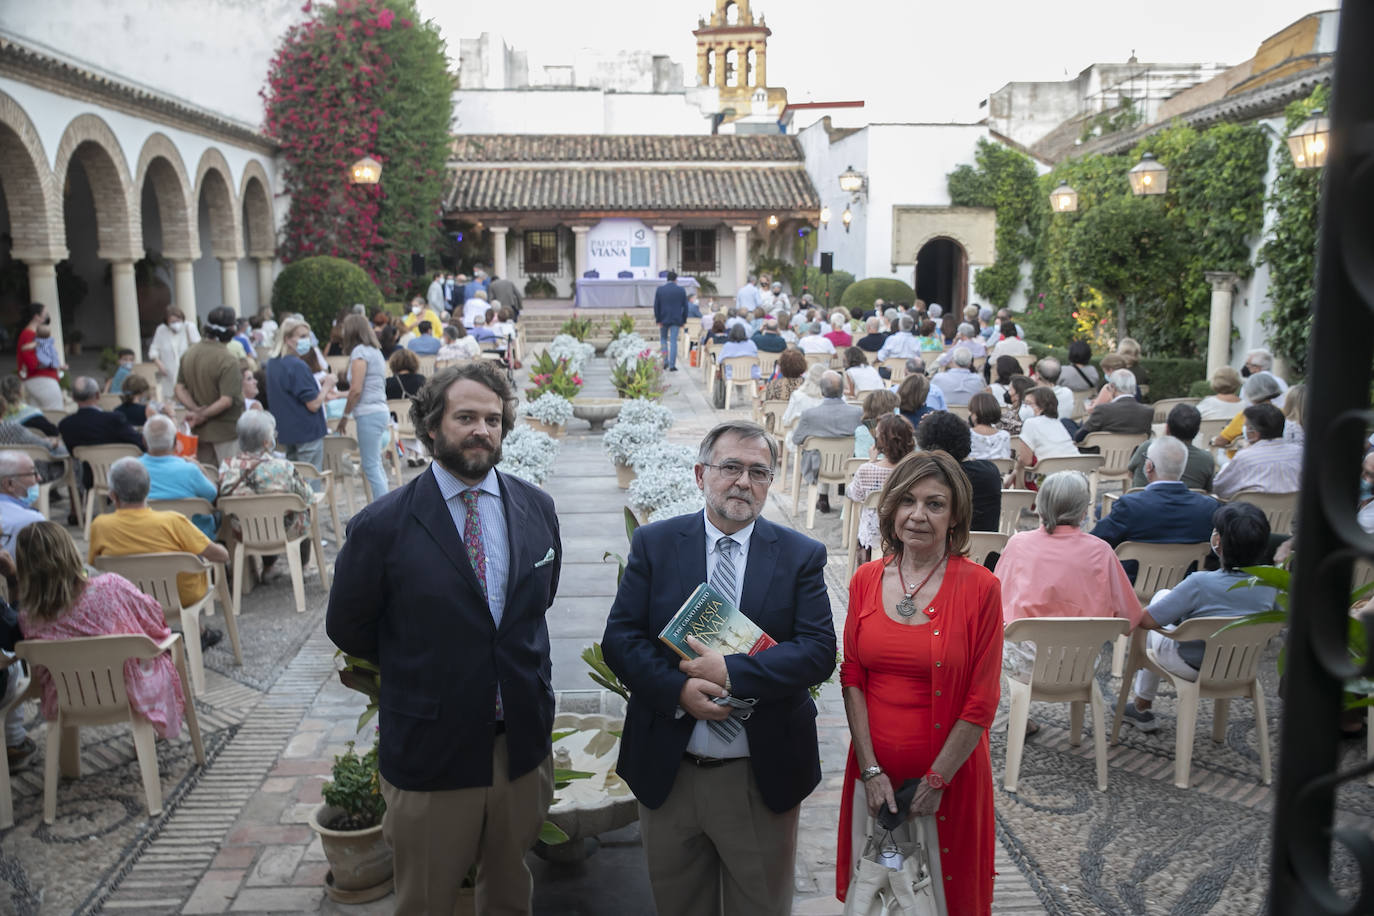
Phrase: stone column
[184,287]
[579,251]
[741,255]
[498,249]
[761,62]
[229,283]
[265,278]
[43,288]
[1219,336]
[125,305]
[661,246]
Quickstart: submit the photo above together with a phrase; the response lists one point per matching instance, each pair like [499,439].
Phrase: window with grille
[541,251]
[699,251]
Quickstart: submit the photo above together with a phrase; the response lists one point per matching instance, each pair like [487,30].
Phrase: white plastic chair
[1116,450]
[40,453]
[769,416]
[1229,669]
[1279,508]
[1066,654]
[32,692]
[343,460]
[894,364]
[1158,566]
[1013,501]
[835,452]
[88,674]
[262,532]
[851,528]
[736,372]
[155,575]
[100,458]
[982,543]
[1163,407]
[326,495]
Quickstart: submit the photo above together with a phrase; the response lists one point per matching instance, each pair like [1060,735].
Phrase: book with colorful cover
[712,618]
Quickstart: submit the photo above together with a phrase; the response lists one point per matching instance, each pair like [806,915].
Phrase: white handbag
[897,874]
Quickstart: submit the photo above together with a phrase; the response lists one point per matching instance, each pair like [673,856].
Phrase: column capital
[581,230]
[265,255]
[38,258]
[498,230]
[227,258]
[1221,279]
[664,229]
[742,230]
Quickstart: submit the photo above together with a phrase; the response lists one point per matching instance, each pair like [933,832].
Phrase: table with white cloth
[623,292]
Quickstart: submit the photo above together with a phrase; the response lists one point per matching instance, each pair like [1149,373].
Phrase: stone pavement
[238,842]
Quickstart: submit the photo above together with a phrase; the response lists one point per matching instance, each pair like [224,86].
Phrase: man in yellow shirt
[134,528]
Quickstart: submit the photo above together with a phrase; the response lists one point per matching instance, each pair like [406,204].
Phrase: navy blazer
[784,593]
[1163,513]
[406,597]
[670,304]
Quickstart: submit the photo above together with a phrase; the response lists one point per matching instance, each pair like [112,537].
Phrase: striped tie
[723,581]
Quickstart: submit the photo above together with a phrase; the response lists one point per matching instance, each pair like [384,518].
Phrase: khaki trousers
[715,848]
[437,836]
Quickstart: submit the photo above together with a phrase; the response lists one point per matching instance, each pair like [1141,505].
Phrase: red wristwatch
[936,780]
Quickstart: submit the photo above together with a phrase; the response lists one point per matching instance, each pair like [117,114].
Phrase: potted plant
[626,349]
[549,373]
[640,378]
[579,328]
[349,822]
[569,348]
[623,441]
[655,486]
[528,454]
[622,326]
[549,413]
[539,286]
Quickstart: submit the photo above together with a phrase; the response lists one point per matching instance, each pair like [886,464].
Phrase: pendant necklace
[906,607]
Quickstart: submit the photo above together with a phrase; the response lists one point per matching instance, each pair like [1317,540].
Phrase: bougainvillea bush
[362,78]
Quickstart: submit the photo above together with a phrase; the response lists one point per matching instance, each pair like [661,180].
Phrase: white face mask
[416,309]
[177,326]
[1026,412]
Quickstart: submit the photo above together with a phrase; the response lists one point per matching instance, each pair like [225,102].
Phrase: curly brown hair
[792,363]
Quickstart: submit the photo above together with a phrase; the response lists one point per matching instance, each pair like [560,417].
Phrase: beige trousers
[715,848]
[436,838]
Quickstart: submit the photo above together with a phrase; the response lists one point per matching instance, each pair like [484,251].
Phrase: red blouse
[28,359]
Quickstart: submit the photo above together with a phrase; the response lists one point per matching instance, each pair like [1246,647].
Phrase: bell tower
[732,49]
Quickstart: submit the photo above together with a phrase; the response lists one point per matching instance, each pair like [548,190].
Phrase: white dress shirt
[704,742]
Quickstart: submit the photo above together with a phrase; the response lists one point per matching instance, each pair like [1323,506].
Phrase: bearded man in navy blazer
[444,583]
[718,815]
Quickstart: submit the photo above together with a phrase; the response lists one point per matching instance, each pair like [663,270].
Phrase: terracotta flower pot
[624,474]
[558,432]
[360,861]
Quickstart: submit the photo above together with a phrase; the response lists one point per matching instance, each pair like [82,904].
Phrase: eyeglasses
[20,475]
[731,470]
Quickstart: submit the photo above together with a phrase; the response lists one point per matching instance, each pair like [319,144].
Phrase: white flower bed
[565,346]
[625,349]
[687,506]
[625,440]
[641,411]
[663,455]
[656,487]
[528,454]
[550,408]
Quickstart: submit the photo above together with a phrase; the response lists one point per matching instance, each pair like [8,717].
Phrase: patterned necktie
[472,540]
[723,579]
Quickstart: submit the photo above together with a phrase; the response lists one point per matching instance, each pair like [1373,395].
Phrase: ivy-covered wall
[1138,263]
[1291,249]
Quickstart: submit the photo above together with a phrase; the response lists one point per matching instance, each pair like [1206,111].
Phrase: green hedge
[1200,389]
[1169,378]
[318,287]
[840,281]
[862,294]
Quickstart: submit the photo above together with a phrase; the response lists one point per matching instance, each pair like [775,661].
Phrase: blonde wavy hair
[51,574]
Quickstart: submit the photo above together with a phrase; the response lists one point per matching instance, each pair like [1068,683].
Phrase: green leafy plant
[1291,251]
[318,287]
[601,672]
[1359,692]
[550,375]
[861,295]
[622,326]
[1005,180]
[356,790]
[706,285]
[642,378]
[362,78]
[839,281]
[540,287]
[580,328]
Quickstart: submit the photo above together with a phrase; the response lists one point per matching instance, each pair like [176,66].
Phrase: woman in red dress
[922,661]
[40,382]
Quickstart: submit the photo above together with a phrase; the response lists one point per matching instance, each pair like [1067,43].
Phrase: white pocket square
[548,558]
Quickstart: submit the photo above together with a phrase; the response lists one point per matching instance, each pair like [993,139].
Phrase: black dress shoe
[823,504]
[210,637]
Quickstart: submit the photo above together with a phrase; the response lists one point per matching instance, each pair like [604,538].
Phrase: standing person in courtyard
[210,384]
[719,816]
[444,584]
[670,312]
